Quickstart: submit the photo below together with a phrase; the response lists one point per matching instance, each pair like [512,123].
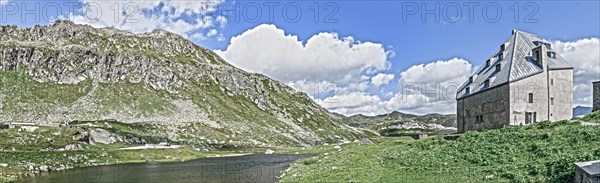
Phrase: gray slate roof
[590,167]
[516,64]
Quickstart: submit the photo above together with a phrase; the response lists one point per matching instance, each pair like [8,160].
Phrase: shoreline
[16,175]
[167,159]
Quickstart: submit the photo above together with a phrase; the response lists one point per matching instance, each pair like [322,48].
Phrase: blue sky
[414,41]
[470,34]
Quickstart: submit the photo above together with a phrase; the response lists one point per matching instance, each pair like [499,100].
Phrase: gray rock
[44,168]
[134,140]
[72,147]
[101,136]
[365,141]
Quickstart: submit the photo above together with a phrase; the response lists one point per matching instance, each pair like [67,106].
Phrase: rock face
[67,72]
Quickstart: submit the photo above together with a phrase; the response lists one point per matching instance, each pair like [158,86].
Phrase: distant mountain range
[581,111]
[398,123]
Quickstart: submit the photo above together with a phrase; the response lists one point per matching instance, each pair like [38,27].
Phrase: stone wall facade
[484,110]
[508,104]
[596,96]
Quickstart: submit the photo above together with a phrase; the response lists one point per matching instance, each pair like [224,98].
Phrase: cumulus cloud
[268,50]
[381,79]
[417,92]
[338,72]
[449,75]
[191,19]
[584,55]
[446,71]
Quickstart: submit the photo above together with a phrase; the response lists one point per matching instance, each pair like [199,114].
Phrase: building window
[486,83]
[530,99]
[530,117]
[501,56]
[551,100]
[467,90]
[552,81]
[498,67]
[551,54]
[502,47]
[471,79]
[487,63]
[479,119]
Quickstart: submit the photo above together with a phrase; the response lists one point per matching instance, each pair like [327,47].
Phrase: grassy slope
[42,99]
[593,117]
[543,152]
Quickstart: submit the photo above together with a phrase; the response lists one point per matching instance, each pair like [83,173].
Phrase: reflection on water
[250,168]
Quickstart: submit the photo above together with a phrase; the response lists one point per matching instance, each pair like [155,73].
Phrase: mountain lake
[247,168]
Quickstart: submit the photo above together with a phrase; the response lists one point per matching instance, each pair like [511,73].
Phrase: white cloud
[186,18]
[334,71]
[211,33]
[584,55]
[417,92]
[452,70]
[381,79]
[348,101]
[268,50]
[316,90]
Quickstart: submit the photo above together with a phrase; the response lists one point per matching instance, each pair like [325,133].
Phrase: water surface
[249,168]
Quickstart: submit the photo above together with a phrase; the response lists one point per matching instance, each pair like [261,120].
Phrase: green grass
[593,117]
[42,138]
[24,96]
[6,180]
[543,152]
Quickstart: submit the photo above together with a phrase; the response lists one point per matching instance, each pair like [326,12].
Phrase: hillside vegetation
[543,152]
[66,72]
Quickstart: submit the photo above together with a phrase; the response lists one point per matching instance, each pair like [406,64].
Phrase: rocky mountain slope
[397,123]
[66,72]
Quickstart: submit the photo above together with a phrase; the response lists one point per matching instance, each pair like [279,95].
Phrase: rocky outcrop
[101,136]
[95,136]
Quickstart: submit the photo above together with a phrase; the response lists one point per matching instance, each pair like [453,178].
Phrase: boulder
[44,168]
[101,136]
[81,136]
[72,147]
[365,141]
[269,151]
[134,140]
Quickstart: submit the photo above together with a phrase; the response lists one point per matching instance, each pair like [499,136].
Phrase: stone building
[524,82]
[596,96]
[587,172]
